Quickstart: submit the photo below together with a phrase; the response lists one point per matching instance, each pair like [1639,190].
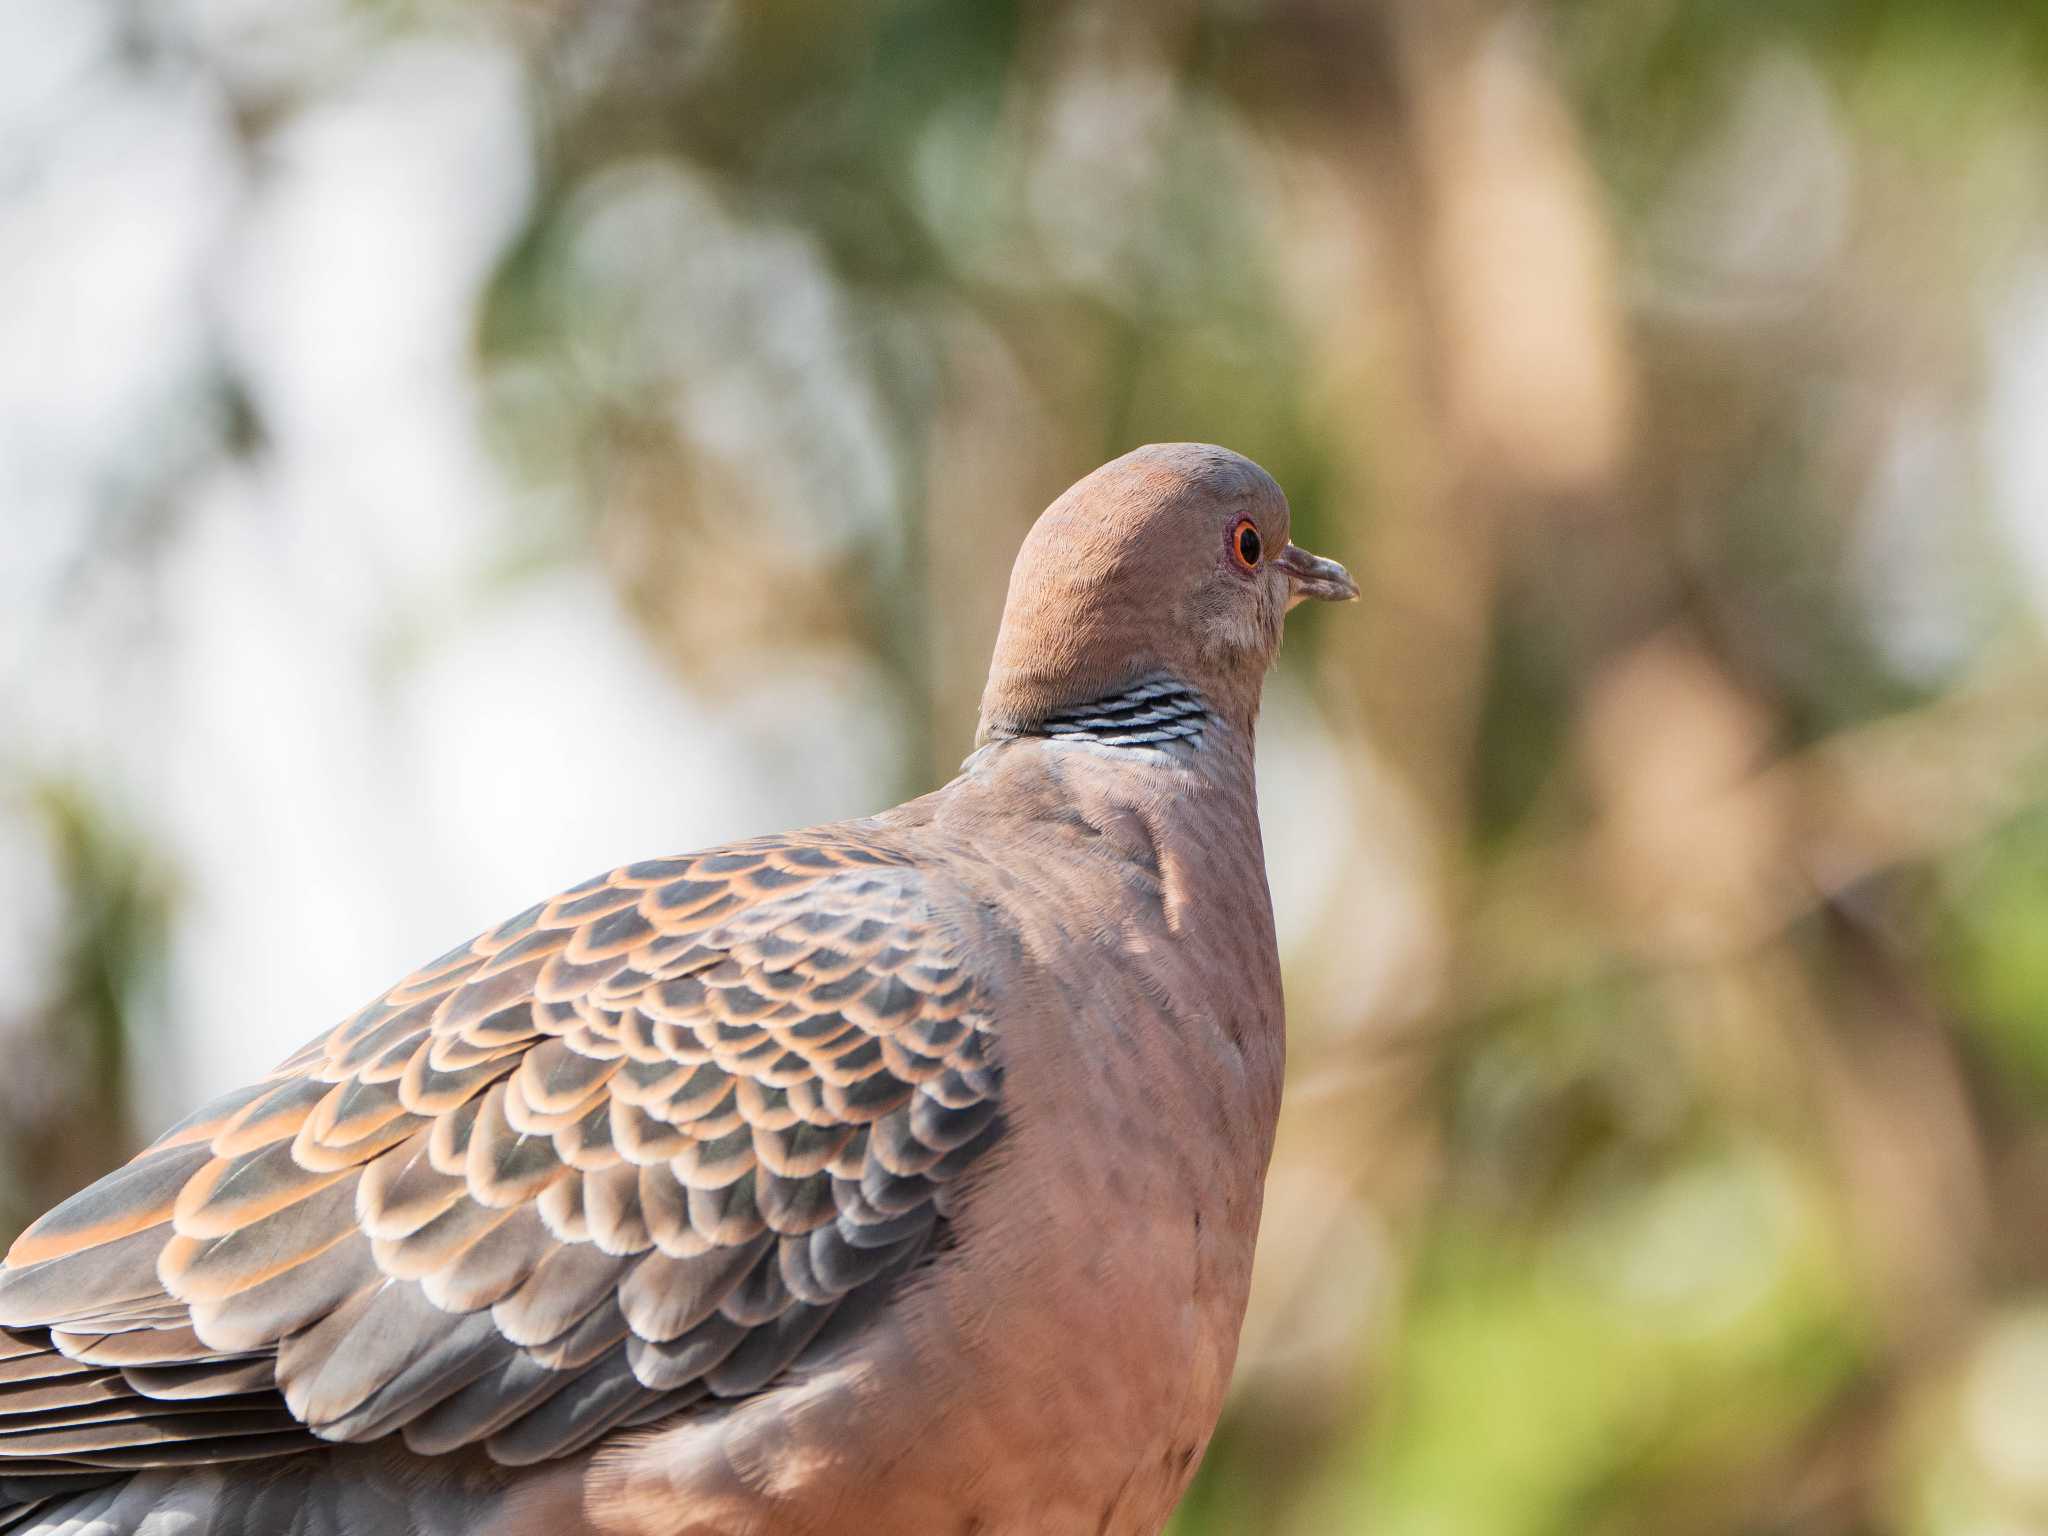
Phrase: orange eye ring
[1246,547]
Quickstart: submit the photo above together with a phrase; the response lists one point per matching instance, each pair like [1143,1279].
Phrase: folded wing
[643,1145]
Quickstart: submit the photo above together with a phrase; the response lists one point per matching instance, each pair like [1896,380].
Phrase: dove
[899,1175]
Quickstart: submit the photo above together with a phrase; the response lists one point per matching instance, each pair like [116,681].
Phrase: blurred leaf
[1663,1336]
[1995,947]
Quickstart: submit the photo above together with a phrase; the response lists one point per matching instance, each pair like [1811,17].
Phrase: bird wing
[644,1144]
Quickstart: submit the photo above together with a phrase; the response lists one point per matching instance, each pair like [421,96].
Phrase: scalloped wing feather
[634,1148]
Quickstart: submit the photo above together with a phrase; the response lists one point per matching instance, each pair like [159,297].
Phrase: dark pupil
[1248,545]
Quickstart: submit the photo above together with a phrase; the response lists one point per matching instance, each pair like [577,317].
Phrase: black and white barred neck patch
[1147,714]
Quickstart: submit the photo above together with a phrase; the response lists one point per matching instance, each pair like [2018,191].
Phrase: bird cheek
[1280,592]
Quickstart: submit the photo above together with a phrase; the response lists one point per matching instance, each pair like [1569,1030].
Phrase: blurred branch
[66,1108]
[1704,881]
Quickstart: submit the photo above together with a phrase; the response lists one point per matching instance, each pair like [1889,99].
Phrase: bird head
[1174,559]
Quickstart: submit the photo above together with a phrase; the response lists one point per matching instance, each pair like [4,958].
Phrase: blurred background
[448,449]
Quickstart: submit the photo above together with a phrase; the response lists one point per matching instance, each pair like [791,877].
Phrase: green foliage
[1996,952]
[1651,1339]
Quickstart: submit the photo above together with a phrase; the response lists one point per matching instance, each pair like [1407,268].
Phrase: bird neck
[1155,711]
[1149,713]
[1157,737]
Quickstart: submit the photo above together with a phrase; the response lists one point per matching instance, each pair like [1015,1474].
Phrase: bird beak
[1312,576]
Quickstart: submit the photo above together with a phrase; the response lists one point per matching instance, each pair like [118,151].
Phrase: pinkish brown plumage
[896,1175]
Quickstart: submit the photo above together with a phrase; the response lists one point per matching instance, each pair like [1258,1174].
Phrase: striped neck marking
[1147,714]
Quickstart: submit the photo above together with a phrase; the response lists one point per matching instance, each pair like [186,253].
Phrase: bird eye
[1244,543]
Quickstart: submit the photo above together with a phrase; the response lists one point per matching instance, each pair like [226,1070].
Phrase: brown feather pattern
[628,1150]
